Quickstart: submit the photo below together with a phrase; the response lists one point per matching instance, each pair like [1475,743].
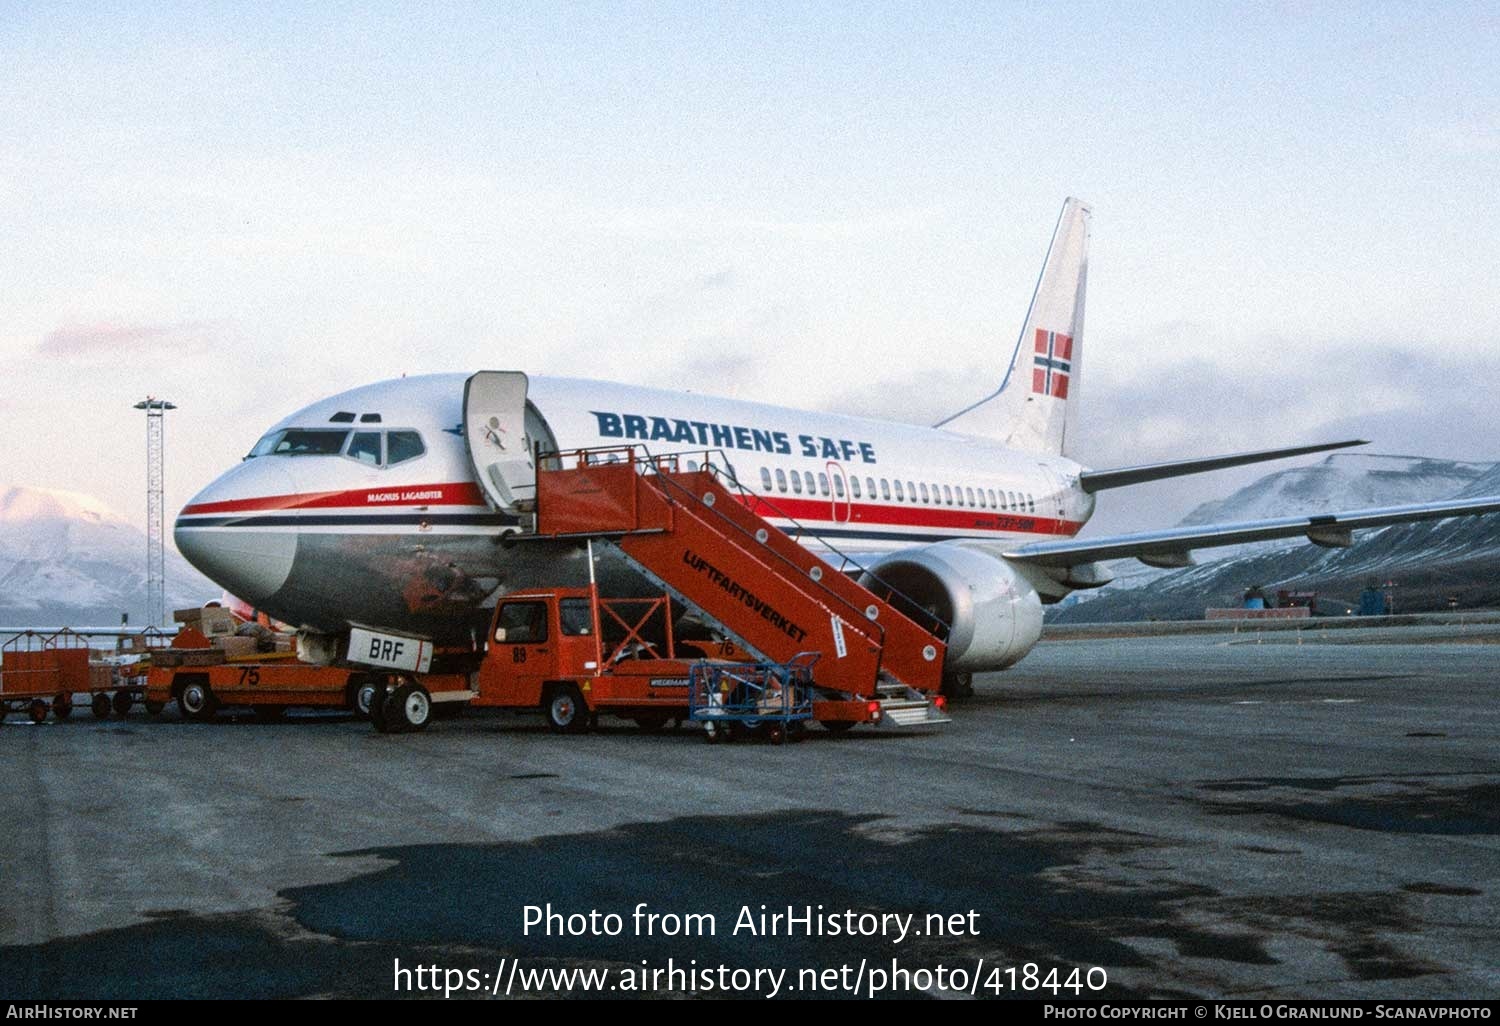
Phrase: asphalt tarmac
[1210,815]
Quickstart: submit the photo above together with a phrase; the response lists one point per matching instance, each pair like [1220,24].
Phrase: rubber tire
[39,710]
[957,686]
[100,705]
[122,702]
[269,713]
[712,734]
[563,706]
[196,702]
[362,698]
[155,708]
[652,723]
[776,733]
[377,709]
[62,707]
[408,708]
[838,726]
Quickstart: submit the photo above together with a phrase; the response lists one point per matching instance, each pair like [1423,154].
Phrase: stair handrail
[731,481]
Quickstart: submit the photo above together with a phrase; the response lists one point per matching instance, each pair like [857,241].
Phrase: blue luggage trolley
[739,699]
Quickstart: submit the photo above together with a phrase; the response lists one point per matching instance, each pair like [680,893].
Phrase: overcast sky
[243,207]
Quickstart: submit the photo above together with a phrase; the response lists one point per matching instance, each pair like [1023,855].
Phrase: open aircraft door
[500,446]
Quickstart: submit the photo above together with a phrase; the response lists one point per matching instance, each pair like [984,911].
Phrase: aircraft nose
[228,530]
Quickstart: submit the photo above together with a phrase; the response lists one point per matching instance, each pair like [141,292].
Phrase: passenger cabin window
[522,623]
[924,492]
[885,489]
[796,482]
[401,446]
[823,483]
[911,491]
[900,497]
[870,487]
[969,492]
[780,480]
[854,486]
[365,448]
[993,503]
[838,486]
[765,479]
[812,482]
[575,617]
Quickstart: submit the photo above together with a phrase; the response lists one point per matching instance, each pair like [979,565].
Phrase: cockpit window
[369,418]
[401,446]
[342,417]
[301,442]
[365,448]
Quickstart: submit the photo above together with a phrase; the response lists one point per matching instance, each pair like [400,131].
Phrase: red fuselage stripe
[466,493]
[460,493]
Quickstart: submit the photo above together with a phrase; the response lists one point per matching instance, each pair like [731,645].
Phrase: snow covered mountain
[1430,561]
[67,559]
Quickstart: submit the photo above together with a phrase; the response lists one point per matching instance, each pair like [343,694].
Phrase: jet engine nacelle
[995,612]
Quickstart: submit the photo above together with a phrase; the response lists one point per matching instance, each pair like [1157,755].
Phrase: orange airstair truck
[820,645]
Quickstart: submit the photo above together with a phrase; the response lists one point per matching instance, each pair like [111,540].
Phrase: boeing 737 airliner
[403,505]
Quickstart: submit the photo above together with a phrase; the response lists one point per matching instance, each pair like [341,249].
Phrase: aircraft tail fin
[1039,392]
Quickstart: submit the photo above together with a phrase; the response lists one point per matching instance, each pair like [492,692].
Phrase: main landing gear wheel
[958,685]
[197,701]
[407,708]
[100,705]
[563,706]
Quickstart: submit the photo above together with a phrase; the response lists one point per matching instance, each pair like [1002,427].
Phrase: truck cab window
[522,623]
[575,616]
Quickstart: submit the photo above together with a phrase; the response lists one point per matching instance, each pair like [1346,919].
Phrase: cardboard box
[235,647]
[216,622]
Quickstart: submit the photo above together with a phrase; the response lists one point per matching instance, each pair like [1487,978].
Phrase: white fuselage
[323,541]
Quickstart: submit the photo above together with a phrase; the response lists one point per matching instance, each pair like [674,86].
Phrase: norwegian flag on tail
[1053,363]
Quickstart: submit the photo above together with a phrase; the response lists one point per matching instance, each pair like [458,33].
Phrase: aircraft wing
[1119,477]
[1173,547]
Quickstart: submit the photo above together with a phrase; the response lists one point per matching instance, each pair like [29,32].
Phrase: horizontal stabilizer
[1099,480]
[1171,547]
